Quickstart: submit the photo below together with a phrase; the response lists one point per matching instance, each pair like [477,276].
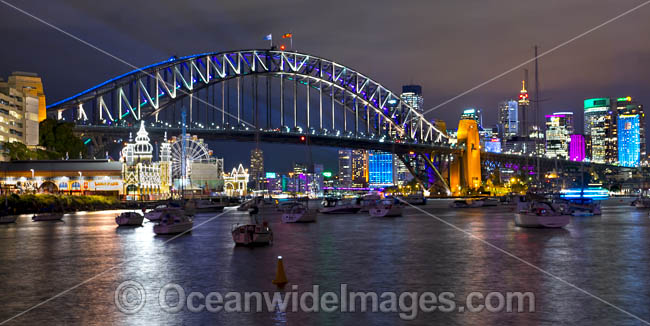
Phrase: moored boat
[50,216]
[298,213]
[386,208]
[369,200]
[173,221]
[337,206]
[544,216]
[129,218]
[466,203]
[252,234]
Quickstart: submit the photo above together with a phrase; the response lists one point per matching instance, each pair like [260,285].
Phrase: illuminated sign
[327,174]
[596,103]
[271,175]
[624,99]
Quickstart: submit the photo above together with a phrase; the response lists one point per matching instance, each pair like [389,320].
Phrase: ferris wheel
[196,150]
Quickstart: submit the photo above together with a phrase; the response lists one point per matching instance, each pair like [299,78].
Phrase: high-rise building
[359,164]
[380,169]
[629,140]
[412,95]
[345,167]
[473,114]
[20,100]
[523,103]
[559,127]
[256,172]
[509,118]
[625,106]
[577,148]
[600,128]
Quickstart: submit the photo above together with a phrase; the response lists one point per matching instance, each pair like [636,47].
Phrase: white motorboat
[369,200]
[52,216]
[204,206]
[337,206]
[6,219]
[386,208]
[173,221]
[298,213]
[156,213]
[252,234]
[541,218]
[129,218]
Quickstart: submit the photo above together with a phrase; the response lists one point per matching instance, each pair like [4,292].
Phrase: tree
[59,138]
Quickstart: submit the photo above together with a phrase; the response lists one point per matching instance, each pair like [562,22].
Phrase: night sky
[446,46]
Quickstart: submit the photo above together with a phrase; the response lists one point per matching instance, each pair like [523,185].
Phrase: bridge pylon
[466,170]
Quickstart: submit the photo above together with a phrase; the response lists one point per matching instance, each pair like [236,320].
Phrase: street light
[32,170]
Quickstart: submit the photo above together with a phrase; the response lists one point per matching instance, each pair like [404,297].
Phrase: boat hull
[130,220]
[252,235]
[47,217]
[527,220]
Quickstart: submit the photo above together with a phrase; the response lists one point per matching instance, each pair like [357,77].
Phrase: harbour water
[607,256]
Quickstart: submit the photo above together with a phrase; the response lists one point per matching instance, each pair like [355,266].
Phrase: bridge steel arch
[143,94]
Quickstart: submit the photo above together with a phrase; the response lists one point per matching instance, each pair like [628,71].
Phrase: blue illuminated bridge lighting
[593,193]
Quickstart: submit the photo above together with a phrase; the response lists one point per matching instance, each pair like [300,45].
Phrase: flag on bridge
[287,35]
[269,38]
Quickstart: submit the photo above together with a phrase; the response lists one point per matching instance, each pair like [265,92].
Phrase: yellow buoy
[280,276]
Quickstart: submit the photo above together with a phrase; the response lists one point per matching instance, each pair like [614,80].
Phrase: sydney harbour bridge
[288,97]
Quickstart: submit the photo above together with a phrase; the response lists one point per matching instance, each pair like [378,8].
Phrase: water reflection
[605,255]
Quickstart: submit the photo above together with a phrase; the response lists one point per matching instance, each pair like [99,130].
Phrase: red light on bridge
[302,138]
[282,47]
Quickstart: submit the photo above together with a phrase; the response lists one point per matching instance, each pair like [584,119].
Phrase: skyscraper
[523,103]
[412,95]
[509,118]
[600,128]
[359,164]
[256,172]
[577,148]
[559,127]
[345,167]
[473,114]
[380,169]
[625,106]
[629,140]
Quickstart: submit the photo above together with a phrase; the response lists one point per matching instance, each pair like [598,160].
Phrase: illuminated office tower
[380,169]
[509,118]
[600,128]
[577,148]
[345,167]
[256,172]
[626,107]
[359,164]
[412,95]
[473,114]
[629,140]
[559,127]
